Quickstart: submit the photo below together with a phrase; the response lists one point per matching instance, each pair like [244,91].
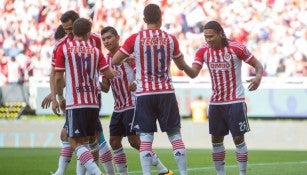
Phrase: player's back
[81,64]
[154,50]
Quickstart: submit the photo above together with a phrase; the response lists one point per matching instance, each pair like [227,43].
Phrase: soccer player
[154,50]
[81,62]
[58,34]
[122,86]
[105,156]
[227,108]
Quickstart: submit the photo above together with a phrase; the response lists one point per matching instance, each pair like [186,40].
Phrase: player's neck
[80,38]
[153,26]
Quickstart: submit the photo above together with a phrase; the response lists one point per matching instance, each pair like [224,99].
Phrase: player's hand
[253,83]
[131,59]
[62,105]
[132,86]
[47,101]
[55,107]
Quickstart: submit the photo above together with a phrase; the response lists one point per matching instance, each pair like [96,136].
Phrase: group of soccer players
[138,72]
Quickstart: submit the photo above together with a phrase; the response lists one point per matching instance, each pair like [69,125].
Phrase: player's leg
[218,129]
[169,121]
[144,123]
[81,125]
[179,150]
[238,127]
[116,136]
[65,153]
[105,155]
[134,141]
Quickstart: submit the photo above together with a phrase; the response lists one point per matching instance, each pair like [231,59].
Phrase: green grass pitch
[40,161]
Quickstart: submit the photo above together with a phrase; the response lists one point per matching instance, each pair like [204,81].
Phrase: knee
[238,139]
[115,143]
[135,144]
[217,139]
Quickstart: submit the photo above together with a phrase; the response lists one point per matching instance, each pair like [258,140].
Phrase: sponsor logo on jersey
[219,66]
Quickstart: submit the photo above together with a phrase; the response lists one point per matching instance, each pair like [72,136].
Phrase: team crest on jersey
[227,56]
[118,74]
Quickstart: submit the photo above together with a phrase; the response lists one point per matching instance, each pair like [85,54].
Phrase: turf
[40,161]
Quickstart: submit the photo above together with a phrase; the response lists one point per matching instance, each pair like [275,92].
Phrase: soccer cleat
[169,172]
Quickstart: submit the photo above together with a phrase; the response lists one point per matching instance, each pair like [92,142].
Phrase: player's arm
[59,85]
[105,85]
[190,71]
[255,82]
[118,58]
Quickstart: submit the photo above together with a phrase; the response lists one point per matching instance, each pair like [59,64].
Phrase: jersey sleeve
[59,59]
[244,54]
[199,57]
[102,64]
[177,51]
[128,47]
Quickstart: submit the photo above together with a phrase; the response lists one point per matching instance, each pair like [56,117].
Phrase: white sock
[179,152]
[94,147]
[64,159]
[242,157]
[156,162]
[146,152]
[120,161]
[86,159]
[106,158]
[218,156]
[80,169]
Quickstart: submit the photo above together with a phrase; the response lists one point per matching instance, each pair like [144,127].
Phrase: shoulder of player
[61,42]
[95,36]
[236,45]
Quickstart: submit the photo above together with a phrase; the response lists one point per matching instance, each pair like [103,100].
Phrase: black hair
[69,15]
[214,25]
[109,29]
[59,33]
[152,13]
[81,27]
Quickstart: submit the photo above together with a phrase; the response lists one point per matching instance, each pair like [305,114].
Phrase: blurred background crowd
[273,30]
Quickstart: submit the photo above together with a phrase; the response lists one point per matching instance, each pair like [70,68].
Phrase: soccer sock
[179,152]
[146,152]
[120,161]
[106,157]
[94,147]
[242,157]
[86,159]
[80,169]
[218,156]
[156,162]
[64,159]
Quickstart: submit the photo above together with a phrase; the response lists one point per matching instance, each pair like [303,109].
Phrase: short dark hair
[81,27]
[59,33]
[69,15]
[152,13]
[109,29]
[214,25]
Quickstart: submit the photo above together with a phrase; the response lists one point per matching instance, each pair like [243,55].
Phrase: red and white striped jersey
[124,73]
[94,40]
[81,62]
[225,70]
[154,50]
